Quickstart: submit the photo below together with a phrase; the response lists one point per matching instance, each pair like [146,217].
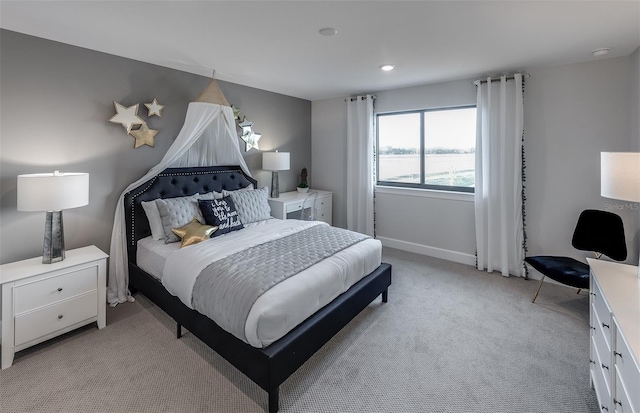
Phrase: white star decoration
[251,139]
[154,108]
[127,117]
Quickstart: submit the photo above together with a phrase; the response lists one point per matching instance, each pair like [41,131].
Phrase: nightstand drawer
[38,323]
[48,291]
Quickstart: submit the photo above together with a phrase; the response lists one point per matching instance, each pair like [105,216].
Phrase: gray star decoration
[248,135]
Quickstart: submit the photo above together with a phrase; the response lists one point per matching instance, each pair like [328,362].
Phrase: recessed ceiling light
[328,31]
[387,67]
[601,52]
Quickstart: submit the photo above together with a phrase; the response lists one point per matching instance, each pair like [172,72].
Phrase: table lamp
[275,161]
[53,192]
[620,177]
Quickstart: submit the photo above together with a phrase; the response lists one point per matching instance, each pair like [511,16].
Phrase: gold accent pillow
[194,232]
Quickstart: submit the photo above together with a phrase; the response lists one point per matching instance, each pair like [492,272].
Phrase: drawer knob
[605,325]
[615,353]
[591,361]
[593,294]
[592,327]
[605,408]
[618,402]
[60,316]
[59,289]
[604,367]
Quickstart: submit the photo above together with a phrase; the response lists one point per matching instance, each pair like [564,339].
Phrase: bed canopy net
[207,138]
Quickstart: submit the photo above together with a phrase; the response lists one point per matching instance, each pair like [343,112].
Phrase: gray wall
[56,102]
[571,112]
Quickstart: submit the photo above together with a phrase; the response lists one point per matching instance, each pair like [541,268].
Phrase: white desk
[615,335]
[289,205]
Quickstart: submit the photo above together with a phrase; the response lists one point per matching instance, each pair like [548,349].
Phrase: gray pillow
[251,204]
[178,212]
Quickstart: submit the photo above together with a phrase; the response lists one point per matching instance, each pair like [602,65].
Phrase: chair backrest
[602,232]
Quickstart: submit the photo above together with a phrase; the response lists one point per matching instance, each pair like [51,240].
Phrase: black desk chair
[599,231]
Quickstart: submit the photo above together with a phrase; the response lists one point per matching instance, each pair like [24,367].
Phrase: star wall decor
[144,136]
[127,117]
[248,135]
[154,108]
[236,112]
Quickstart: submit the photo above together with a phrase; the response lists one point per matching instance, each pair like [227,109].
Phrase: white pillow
[153,216]
[252,204]
[155,220]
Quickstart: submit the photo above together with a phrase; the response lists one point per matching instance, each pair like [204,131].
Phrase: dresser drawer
[628,370]
[601,336]
[601,377]
[46,320]
[48,291]
[602,311]
[621,398]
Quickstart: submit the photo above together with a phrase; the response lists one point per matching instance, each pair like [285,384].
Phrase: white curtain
[207,138]
[360,167]
[498,191]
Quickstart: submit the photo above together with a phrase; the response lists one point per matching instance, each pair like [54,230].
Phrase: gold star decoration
[236,112]
[194,232]
[127,117]
[154,108]
[248,135]
[144,136]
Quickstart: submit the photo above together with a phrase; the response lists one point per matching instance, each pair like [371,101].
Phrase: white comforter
[290,302]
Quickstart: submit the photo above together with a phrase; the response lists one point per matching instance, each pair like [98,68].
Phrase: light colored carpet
[450,339]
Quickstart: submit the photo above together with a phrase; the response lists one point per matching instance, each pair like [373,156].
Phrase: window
[432,149]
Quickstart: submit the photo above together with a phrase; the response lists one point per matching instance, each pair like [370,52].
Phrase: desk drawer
[324,215]
[294,206]
[38,323]
[324,202]
[628,370]
[44,292]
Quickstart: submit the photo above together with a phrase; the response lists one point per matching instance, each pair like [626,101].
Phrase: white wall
[572,113]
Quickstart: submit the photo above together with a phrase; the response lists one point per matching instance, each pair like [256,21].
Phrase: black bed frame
[267,367]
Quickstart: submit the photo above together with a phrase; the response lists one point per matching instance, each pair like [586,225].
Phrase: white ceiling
[275,45]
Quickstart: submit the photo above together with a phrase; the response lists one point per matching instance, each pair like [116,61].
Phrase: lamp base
[275,185]
[53,247]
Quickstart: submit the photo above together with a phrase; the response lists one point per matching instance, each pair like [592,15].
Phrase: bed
[267,366]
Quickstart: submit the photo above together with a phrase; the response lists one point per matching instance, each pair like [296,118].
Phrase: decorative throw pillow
[194,232]
[252,204]
[155,221]
[177,212]
[222,214]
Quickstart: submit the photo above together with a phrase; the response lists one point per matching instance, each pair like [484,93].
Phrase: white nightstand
[289,205]
[41,301]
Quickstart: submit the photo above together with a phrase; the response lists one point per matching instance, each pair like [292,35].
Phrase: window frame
[422,184]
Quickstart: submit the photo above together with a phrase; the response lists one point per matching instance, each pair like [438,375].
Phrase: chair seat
[565,270]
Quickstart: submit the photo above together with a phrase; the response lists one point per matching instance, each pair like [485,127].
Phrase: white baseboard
[455,256]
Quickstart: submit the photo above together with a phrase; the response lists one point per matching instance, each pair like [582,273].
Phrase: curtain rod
[356,98]
[509,77]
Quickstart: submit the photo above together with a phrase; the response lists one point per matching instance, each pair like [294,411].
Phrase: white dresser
[41,301]
[289,205]
[615,335]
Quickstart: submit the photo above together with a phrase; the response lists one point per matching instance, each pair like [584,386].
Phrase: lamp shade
[52,191]
[620,175]
[275,161]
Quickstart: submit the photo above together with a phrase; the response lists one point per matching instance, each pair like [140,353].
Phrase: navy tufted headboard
[175,182]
